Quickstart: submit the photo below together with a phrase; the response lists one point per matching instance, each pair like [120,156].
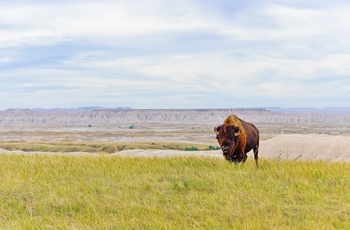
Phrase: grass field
[60,192]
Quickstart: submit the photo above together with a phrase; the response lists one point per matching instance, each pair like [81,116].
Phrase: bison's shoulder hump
[233,120]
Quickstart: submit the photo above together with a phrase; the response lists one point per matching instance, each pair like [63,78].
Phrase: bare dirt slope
[307,147]
[284,147]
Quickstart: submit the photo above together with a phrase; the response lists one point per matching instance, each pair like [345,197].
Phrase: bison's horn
[237,131]
[216,129]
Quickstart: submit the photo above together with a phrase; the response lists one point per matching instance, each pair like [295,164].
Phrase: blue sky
[174,54]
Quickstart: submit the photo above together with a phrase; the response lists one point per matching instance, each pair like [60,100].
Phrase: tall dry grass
[60,192]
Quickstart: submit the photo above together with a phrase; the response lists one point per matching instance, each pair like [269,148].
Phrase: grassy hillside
[57,192]
[99,147]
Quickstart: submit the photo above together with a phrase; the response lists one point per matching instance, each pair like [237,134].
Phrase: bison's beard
[230,156]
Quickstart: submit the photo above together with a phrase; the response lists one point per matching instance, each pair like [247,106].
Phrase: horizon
[153,54]
[223,108]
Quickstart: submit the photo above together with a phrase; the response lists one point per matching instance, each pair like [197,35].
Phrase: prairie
[91,175]
[84,192]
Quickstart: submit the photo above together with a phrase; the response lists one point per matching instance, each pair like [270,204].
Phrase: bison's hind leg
[256,157]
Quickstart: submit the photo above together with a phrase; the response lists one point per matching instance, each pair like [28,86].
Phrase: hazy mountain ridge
[186,116]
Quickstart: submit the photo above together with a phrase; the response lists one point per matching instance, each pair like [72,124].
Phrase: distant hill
[325,110]
[88,108]
[100,115]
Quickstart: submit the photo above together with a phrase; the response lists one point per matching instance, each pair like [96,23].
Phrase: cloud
[174,54]
[61,21]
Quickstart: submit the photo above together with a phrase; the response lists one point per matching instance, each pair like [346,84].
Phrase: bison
[236,138]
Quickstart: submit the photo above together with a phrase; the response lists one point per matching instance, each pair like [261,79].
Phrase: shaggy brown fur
[236,138]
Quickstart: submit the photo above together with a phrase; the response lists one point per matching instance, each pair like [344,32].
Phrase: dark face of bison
[227,136]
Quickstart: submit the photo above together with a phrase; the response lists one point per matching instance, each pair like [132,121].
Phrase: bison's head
[227,136]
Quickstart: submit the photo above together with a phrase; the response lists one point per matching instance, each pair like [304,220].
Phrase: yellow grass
[60,192]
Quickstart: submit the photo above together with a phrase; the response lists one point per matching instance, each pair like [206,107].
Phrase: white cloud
[211,72]
[181,51]
[54,22]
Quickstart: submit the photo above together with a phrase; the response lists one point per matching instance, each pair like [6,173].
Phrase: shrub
[191,149]
[213,148]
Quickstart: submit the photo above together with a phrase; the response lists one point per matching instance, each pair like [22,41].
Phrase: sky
[183,54]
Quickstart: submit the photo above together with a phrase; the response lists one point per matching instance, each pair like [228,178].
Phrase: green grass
[99,147]
[61,192]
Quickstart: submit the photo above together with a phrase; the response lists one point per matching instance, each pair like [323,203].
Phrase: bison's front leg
[244,159]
